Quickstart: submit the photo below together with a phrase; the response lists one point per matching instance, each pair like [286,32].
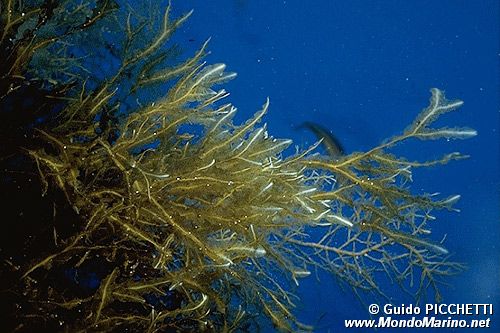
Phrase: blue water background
[363,69]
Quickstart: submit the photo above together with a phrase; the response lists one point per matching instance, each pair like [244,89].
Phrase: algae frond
[195,222]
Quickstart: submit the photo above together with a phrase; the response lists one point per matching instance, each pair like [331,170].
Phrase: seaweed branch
[194,221]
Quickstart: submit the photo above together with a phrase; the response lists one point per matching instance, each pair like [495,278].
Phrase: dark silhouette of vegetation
[133,201]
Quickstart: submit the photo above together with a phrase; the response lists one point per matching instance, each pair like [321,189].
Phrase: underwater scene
[249,166]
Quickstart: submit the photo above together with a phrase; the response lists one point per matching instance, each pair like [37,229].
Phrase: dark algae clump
[135,203]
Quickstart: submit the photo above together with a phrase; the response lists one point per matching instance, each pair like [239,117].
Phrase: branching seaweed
[200,229]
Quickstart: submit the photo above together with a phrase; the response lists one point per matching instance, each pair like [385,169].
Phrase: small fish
[330,142]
